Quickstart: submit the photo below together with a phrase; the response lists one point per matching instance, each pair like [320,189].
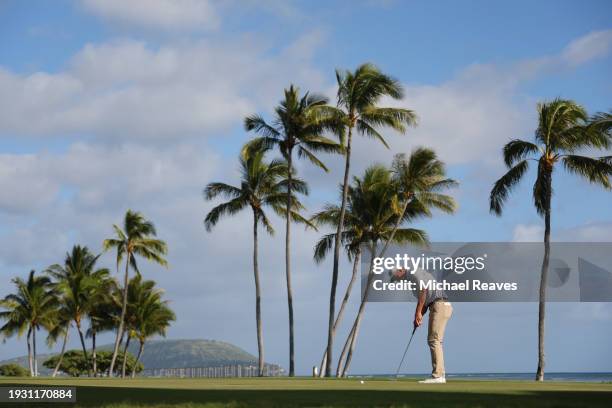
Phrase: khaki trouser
[439,313]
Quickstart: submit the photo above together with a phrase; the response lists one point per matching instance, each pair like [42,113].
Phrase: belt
[440,299]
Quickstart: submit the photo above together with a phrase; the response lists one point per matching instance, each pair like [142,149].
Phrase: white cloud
[129,90]
[97,177]
[591,232]
[589,47]
[172,15]
[528,233]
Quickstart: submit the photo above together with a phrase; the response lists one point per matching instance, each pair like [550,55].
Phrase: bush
[74,363]
[13,370]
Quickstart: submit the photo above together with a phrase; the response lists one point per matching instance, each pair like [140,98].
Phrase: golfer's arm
[420,307]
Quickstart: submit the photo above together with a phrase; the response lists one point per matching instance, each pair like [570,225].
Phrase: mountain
[172,354]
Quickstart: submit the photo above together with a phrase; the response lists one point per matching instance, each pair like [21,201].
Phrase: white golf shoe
[438,380]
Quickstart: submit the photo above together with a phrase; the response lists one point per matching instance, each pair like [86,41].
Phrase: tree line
[377,208]
[79,295]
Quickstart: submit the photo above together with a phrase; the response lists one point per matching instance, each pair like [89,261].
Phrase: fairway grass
[308,392]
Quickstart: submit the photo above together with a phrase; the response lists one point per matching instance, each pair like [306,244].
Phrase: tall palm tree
[358,95]
[563,129]
[297,125]
[136,238]
[77,282]
[33,306]
[151,315]
[372,200]
[261,185]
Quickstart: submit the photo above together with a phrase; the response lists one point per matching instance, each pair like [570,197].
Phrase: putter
[399,367]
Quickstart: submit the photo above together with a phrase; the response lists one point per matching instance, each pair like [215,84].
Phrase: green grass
[307,392]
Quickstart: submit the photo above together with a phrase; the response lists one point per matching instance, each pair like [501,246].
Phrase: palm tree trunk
[30,362]
[543,280]
[337,244]
[288,268]
[93,353]
[125,351]
[61,356]
[347,295]
[140,349]
[347,342]
[78,325]
[260,346]
[364,300]
[395,227]
[34,351]
[122,319]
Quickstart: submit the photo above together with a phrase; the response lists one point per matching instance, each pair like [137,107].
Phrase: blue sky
[109,105]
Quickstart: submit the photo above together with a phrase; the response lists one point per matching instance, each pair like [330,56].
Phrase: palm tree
[136,238]
[417,181]
[77,282]
[261,185]
[372,201]
[151,315]
[33,306]
[104,313]
[298,125]
[563,129]
[61,328]
[359,93]
[352,238]
[137,290]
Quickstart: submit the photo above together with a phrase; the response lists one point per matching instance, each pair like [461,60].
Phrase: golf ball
[363,382]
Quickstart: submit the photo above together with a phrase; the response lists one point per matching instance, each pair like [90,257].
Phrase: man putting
[440,310]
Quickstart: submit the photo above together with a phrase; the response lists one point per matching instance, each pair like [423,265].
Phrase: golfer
[440,310]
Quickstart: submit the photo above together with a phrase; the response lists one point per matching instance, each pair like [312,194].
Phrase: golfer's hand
[418,319]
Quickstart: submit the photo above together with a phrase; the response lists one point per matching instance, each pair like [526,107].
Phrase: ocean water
[560,376]
[578,377]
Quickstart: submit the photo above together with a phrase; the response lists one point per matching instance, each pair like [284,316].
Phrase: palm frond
[503,186]
[517,150]
[229,208]
[597,171]
[303,152]
[213,190]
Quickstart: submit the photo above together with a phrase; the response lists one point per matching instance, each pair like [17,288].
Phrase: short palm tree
[298,125]
[352,238]
[77,282]
[61,328]
[104,312]
[262,185]
[33,306]
[359,93]
[136,238]
[150,315]
[418,181]
[373,200]
[420,178]
[563,129]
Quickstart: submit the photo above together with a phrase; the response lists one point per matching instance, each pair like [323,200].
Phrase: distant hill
[172,354]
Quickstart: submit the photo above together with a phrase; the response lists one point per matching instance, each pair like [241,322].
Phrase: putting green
[308,392]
